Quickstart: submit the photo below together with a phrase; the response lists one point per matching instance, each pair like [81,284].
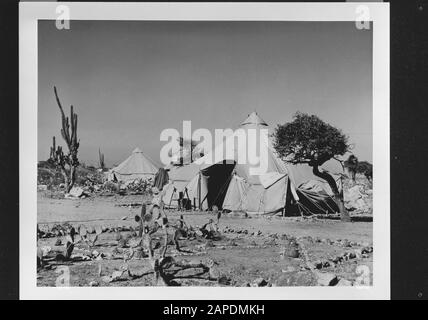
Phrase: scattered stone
[366,250]
[310,266]
[293,253]
[139,254]
[352,255]
[134,242]
[42,187]
[231,243]
[346,243]
[357,253]
[209,244]
[199,233]
[122,243]
[98,230]
[326,279]
[200,246]
[337,259]
[118,236]
[223,280]
[259,282]
[289,269]
[271,242]
[344,282]
[80,257]
[115,276]
[94,284]
[76,192]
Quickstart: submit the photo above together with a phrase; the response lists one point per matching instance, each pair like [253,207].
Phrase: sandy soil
[247,249]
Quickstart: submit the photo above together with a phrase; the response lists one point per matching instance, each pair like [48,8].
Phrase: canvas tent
[304,178]
[136,166]
[230,185]
[320,186]
[179,179]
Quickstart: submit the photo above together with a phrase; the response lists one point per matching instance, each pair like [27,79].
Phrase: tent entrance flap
[218,178]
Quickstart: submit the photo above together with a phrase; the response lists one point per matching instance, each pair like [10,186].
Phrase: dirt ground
[255,251]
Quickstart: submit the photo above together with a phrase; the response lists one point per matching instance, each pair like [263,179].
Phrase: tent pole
[199,191]
[287,183]
[170,200]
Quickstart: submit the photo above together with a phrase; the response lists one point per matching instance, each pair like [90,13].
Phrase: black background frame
[408,145]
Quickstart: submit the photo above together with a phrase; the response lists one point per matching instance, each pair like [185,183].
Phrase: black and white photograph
[206,145]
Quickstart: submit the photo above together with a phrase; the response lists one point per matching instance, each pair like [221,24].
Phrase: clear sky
[130,80]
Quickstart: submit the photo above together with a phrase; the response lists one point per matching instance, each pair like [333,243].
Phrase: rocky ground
[255,251]
[358,195]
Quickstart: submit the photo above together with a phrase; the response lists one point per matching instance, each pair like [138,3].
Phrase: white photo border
[30,13]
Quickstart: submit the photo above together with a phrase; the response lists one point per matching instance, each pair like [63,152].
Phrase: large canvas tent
[136,166]
[229,185]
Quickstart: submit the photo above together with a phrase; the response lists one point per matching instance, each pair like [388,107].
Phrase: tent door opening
[218,179]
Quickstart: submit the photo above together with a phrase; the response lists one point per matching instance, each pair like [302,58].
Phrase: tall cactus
[66,163]
[101,159]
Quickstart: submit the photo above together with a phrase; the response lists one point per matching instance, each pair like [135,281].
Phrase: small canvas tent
[304,178]
[179,179]
[136,166]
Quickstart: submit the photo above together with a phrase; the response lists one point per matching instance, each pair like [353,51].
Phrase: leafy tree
[366,168]
[309,140]
[363,167]
[352,164]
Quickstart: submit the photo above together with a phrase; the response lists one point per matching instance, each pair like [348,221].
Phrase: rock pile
[358,196]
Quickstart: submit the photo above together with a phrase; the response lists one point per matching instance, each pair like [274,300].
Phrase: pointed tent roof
[254,119]
[136,163]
